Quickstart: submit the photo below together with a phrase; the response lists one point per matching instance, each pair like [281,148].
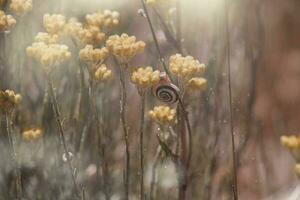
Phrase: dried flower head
[9,100]
[107,19]
[297,169]
[54,24]
[102,73]
[124,47]
[290,142]
[145,77]
[91,35]
[6,21]
[111,18]
[73,28]
[46,38]
[93,56]
[49,55]
[163,115]
[197,84]
[20,6]
[185,67]
[32,134]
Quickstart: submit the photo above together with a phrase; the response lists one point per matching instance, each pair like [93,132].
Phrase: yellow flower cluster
[124,47]
[93,56]
[9,100]
[6,21]
[290,142]
[48,55]
[54,24]
[46,38]
[73,28]
[162,114]
[197,84]
[91,35]
[20,6]
[102,73]
[32,134]
[185,67]
[297,169]
[107,19]
[145,77]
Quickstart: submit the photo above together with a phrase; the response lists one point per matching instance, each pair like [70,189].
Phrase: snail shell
[165,91]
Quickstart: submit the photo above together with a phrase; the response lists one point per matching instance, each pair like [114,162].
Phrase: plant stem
[56,112]
[153,178]
[14,156]
[234,186]
[125,128]
[160,58]
[143,102]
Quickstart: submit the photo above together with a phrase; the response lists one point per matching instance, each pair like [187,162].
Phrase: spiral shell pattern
[167,93]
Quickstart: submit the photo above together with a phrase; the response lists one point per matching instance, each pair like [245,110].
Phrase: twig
[160,58]
[14,156]
[61,132]
[125,128]
[143,102]
[234,186]
[153,178]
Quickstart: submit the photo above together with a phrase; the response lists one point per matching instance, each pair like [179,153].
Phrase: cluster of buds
[91,35]
[290,142]
[144,77]
[9,100]
[46,38]
[197,84]
[20,6]
[73,28]
[93,56]
[32,134]
[124,47]
[105,19]
[185,69]
[49,55]
[54,24]
[6,21]
[95,59]
[102,73]
[163,115]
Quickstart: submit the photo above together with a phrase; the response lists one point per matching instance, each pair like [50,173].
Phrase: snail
[165,91]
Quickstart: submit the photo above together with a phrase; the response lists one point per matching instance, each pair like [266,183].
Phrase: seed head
[124,47]
[197,84]
[163,115]
[32,134]
[9,100]
[20,6]
[54,24]
[6,21]
[144,77]
[185,67]
[103,74]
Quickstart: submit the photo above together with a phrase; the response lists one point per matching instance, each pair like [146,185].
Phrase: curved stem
[125,129]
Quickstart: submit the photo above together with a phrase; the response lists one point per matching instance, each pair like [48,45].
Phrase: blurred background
[265,74]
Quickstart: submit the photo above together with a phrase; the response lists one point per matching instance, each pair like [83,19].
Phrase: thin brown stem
[125,128]
[143,102]
[14,156]
[56,112]
[160,57]
[234,186]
